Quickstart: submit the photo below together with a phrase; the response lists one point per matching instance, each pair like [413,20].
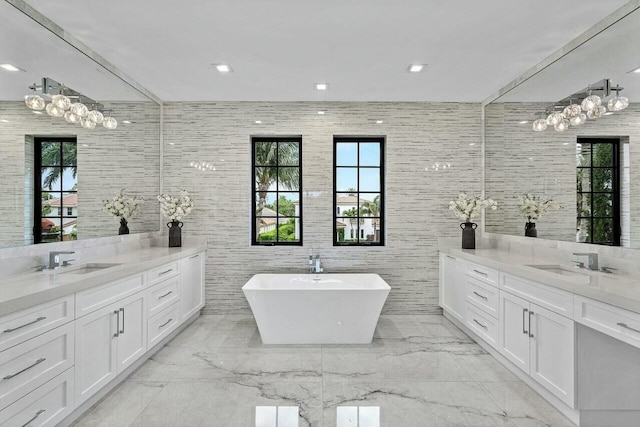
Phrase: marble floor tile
[229,404]
[523,406]
[122,406]
[420,370]
[417,404]
[399,364]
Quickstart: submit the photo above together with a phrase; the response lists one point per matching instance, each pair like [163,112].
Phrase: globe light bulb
[95,116]
[34,101]
[554,118]
[54,111]
[539,125]
[87,123]
[71,118]
[109,123]
[562,125]
[618,103]
[61,102]
[79,109]
[591,102]
[578,120]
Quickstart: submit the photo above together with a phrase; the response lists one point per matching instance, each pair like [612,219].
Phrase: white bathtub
[316,308]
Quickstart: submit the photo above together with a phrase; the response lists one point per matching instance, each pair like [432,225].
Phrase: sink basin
[560,269]
[91,267]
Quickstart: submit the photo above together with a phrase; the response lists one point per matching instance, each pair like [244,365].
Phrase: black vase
[124,228]
[175,233]
[469,235]
[530,229]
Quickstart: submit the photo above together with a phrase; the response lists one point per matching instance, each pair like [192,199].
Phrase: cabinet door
[552,353]
[514,332]
[132,335]
[96,351]
[191,285]
[453,285]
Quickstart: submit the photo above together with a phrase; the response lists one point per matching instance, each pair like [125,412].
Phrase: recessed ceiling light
[415,68]
[379,122]
[126,121]
[321,113]
[322,86]
[224,68]
[523,122]
[37,112]
[9,67]
[258,122]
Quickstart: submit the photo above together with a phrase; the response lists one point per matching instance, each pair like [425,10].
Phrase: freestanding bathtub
[316,308]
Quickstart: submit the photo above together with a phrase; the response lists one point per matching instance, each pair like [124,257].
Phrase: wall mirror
[97,162]
[590,170]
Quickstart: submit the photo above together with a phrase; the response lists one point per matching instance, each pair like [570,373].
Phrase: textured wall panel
[418,135]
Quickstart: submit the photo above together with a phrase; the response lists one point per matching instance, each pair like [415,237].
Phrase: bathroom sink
[560,269]
[91,267]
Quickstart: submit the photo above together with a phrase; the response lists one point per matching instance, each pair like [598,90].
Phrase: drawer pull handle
[115,335]
[166,323]
[39,319]
[167,294]
[480,295]
[165,272]
[524,315]
[34,417]
[624,325]
[531,313]
[37,362]
[122,330]
[480,324]
[481,272]
[194,256]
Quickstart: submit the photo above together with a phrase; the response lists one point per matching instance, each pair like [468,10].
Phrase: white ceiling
[280,48]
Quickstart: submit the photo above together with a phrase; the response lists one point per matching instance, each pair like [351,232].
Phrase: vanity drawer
[163,294]
[485,274]
[483,296]
[163,323]
[163,272]
[92,299]
[45,406]
[484,325]
[553,299]
[24,324]
[27,366]
[613,321]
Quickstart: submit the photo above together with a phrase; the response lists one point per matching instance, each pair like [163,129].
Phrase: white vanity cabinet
[191,285]
[108,341]
[452,285]
[538,333]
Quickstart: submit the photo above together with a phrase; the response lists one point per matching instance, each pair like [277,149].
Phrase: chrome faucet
[310,260]
[54,258]
[319,268]
[592,260]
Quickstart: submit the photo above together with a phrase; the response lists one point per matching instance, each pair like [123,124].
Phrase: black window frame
[381,209]
[38,190]
[254,219]
[615,191]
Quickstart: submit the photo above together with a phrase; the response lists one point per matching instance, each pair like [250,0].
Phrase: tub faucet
[592,260]
[319,268]
[54,258]
[310,260]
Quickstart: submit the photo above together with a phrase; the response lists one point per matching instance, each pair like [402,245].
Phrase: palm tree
[352,213]
[51,153]
[267,155]
[373,209]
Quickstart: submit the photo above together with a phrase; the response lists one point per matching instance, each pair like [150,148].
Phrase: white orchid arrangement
[532,207]
[176,207]
[123,205]
[467,208]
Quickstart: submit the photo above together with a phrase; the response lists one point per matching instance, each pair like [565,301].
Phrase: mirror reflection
[56,174]
[585,170]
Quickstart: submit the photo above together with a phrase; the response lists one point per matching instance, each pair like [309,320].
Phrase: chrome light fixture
[34,101]
[61,105]
[618,103]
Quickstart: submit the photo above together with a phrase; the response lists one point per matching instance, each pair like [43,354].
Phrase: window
[56,197]
[358,186]
[277,188]
[598,191]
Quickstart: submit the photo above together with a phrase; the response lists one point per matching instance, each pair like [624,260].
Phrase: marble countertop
[617,289]
[29,289]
